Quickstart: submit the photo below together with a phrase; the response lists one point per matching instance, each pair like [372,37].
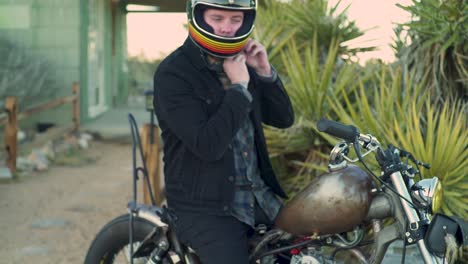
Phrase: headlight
[427,194]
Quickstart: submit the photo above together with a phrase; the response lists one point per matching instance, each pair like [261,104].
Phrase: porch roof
[163,5]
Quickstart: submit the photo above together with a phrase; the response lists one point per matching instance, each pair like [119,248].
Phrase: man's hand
[257,57]
[236,69]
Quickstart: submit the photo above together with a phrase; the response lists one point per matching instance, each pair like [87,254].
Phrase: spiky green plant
[376,106]
[440,137]
[435,44]
[312,82]
[279,22]
[271,29]
[309,83]
[404,116]
[312,17]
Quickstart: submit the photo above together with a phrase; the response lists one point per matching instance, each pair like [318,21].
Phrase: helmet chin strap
[213,59]
[214,63]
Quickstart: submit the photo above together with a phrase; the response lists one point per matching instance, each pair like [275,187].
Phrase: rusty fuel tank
[332,203]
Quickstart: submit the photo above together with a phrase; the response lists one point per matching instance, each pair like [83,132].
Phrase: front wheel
[111,245]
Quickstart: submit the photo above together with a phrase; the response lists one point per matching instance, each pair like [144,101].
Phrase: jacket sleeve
[206,136]
[276,106]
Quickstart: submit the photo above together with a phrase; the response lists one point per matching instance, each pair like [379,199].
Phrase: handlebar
[346,132]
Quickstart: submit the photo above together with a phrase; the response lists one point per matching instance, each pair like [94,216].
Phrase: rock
[39,159]
[86,136]
[5,173]
[62,147]
[20,136]
[50,223]
[84,140]
[48,150]
[82,208]
[23,164]
[34,250]
[71,139]
[83,143]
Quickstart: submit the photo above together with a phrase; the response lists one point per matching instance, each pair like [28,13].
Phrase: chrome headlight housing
[427,194]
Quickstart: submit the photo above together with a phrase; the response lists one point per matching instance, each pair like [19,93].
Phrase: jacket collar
[194,53]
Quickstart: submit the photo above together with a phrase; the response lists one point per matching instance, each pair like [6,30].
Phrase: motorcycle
[342,210]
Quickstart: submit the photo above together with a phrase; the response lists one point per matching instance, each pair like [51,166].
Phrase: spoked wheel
[111,245]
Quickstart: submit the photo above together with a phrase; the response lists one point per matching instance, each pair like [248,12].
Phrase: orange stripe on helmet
[215,46]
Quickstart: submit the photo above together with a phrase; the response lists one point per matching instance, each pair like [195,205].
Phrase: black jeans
[217,239]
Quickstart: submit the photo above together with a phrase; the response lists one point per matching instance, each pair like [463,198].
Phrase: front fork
[412,218]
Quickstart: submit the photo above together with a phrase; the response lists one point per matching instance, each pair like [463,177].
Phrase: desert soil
[52,216]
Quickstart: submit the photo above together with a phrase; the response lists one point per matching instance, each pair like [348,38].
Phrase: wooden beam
[45,106]
[151,156]
[41,107]
[170,5]
[11,130]
[76,105]
[164,5]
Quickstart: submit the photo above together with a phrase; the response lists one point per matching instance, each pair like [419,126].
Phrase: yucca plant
[280,22]
[309,83]
[437,137]
[310,17]
[312,82]
[271,29]
[440,137]
[369,106]
[435,44]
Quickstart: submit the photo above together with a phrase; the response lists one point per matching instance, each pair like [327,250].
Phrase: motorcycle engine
[304,259]
[308,256]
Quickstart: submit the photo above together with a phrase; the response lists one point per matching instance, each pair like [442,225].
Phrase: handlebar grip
[346,132]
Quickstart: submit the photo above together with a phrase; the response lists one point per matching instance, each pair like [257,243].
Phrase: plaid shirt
[249,186]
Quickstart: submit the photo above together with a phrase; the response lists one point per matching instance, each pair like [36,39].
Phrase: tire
[109,244]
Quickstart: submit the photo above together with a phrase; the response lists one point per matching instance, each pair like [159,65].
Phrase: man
[211,97]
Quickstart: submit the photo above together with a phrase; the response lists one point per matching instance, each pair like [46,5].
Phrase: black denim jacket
[199,119]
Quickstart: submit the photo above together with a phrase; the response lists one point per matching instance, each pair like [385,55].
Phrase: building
[83,40]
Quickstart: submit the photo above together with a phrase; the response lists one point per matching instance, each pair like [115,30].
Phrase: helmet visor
[242,4]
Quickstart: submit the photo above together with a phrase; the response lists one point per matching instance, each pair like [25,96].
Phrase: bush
[27,77]
[306,22]
[404,116]
[435,45]
[140,74]
[309,83]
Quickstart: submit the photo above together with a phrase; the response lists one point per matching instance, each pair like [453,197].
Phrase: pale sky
[157,34]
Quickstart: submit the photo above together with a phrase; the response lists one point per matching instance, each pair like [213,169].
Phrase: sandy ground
[52,216]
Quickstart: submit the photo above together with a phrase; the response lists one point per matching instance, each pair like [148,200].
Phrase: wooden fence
[10,121]
[149,135]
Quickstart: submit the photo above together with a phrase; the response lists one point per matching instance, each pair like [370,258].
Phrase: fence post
[76,105]
[11,130]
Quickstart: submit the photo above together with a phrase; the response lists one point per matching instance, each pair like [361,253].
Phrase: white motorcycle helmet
[203,35]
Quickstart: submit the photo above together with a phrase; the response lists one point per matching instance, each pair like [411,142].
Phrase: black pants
[217,239]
